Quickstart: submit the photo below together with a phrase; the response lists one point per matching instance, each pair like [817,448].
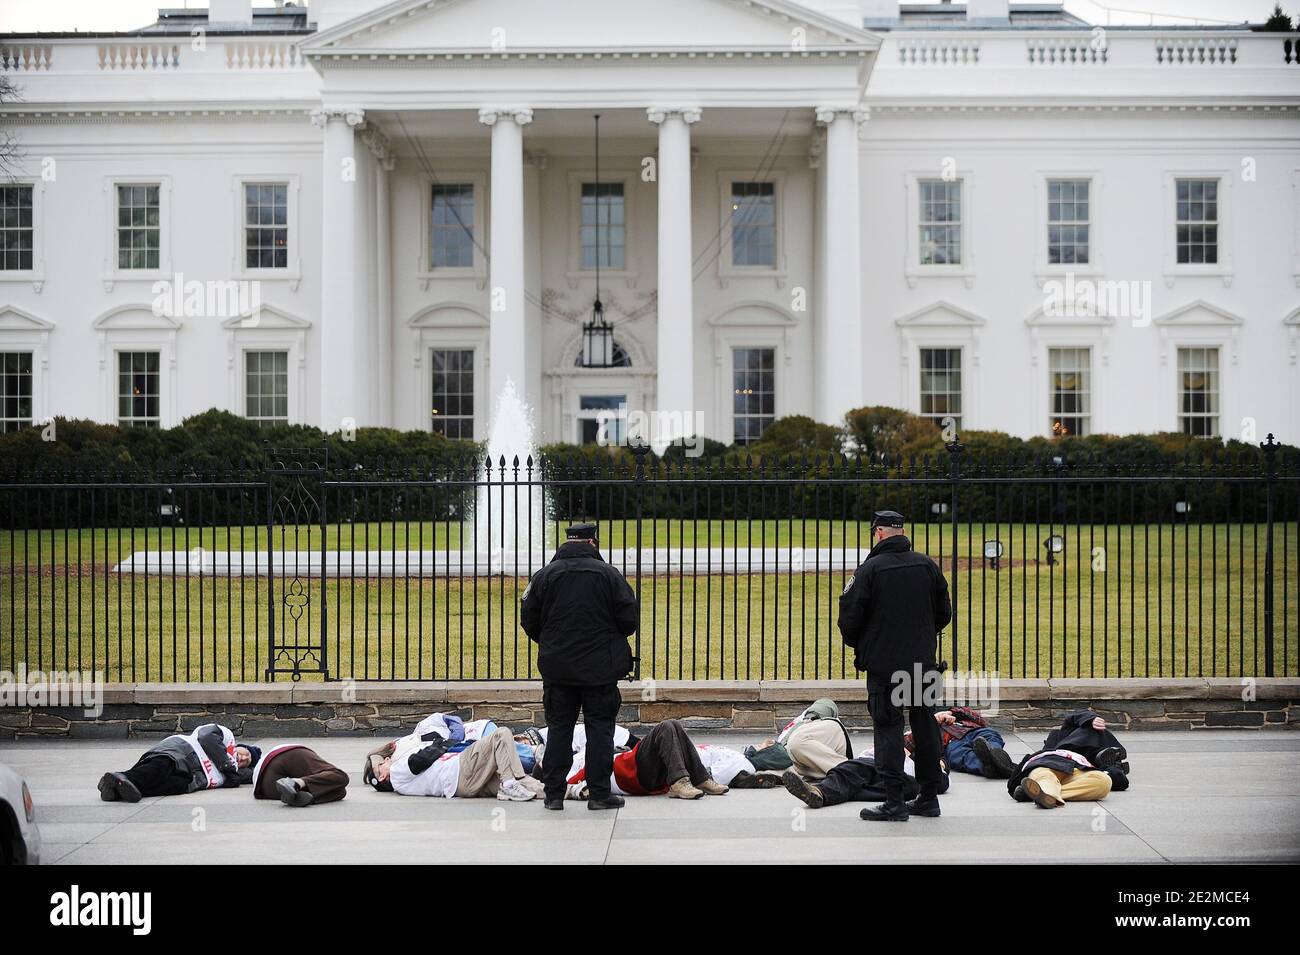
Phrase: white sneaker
[534,786]
[512,790]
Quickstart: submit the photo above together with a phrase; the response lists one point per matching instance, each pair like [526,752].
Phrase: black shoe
[1111,756]
[924,806]
[556,803]
[611,801]
[994,761]
[115,786]
[886,812]
[797,787]
[291,795]
[1020,795]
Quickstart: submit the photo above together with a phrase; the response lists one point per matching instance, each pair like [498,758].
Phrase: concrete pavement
[1204,796]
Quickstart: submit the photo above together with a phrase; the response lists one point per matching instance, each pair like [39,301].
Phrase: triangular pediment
[267,318]
[14,319]
[939,315]
[607,26]
[1199,314]
[134,317]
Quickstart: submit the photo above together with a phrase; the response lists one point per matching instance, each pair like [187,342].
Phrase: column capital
[859,112]
[353,117]
[489,116]
[689,114]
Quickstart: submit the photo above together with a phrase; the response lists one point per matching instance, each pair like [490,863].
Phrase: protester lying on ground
[970,745]
[855,780]
[663,761]
[297,776]
[819,747]
[1080,761]
[727,766]
[730,767]
[449,758]
[208,758]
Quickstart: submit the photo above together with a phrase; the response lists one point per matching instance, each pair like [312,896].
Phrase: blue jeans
[961,755]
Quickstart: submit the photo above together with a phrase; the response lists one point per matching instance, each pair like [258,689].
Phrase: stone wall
[283,711]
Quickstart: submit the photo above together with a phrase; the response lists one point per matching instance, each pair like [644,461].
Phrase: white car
[20,839]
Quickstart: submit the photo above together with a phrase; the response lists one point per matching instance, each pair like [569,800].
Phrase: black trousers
[157,775]
[599,706]
[887,723]
[665,755]
[858,780]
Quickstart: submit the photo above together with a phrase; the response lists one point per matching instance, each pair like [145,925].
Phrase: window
[940,222]
[453,392]
[1071,390]
[618,358]
[603,235]
[1198,221]
[138,389]
[754,388]
[266,225]
[139,230]
[1198,391]
[266,387]
[753,224]
[941,384]
[15,390]
[1068,214]
[451,228]
[16,228]
[595,410]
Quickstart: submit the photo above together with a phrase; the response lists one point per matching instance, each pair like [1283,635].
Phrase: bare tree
[9,151]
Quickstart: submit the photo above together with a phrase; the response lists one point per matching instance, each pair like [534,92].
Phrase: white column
[675,374]
[383,291]
[839,365]
[507,326]
[341,404]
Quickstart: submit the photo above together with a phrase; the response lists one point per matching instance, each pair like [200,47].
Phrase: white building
[811,207]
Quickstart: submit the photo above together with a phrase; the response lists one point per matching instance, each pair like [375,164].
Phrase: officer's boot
[612,801]
[927,803]
[893,809]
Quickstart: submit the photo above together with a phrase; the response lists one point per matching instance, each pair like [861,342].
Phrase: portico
[762,94]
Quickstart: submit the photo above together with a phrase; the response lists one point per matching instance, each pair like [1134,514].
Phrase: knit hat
[368,771]
[254,753]
[824,709]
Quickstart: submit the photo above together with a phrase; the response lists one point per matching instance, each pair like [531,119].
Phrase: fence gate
[295,539]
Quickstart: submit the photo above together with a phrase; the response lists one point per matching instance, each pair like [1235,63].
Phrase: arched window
[621,357]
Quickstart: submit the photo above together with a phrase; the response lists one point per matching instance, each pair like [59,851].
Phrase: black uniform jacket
[893,610]
[580,612]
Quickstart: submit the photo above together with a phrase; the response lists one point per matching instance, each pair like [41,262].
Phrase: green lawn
[1170,601]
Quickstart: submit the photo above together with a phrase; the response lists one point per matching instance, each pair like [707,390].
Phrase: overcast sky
[58,15]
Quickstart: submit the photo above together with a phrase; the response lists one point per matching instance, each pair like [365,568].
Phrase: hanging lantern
[597,339]
[598,334]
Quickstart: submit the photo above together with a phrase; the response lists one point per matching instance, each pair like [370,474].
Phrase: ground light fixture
[1054,545]
[993,553]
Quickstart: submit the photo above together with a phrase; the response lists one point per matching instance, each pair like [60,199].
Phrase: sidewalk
[1204,796]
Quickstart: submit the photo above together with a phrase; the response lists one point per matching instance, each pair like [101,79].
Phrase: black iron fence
[1058,567]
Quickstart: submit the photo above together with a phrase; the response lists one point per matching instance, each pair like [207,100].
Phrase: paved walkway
[1207,796]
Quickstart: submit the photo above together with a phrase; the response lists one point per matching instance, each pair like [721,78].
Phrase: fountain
[510,528]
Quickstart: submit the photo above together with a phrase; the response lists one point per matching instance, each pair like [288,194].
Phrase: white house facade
[378,212]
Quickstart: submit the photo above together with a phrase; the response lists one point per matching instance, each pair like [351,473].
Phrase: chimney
[230,13]
[988,13]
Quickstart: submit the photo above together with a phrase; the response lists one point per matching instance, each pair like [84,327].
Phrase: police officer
[580,612]
[891,613]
